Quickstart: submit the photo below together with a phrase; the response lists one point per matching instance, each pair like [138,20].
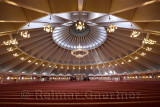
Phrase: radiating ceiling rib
[26,65]
[111,54]
[147,60]
[35,44]
[13,65]
[41,68]
[121,44]
[127,40]
[32,40]
[99,56]
[41,48]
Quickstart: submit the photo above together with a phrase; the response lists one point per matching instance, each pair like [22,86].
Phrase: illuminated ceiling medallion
[79,25]
[111,28]
[79,52]
[148,41]
[134,34]
[48,28]
[25,34]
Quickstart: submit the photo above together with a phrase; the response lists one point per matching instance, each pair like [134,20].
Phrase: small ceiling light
[79,67]
[50,66]
[25,34]
[109,65]
[111,28]
[122,62]
[136,57]
[115,64]
[43,65]
[55,66]
[22,58]
[149,41]
[62,67]
[91,67]
[79,25]
[15,54]
[67,67]
[29,61]
[73,67]
[129,60]
[10,49]
[134,34]
[148,49]
[85,67]
[36,63]
[143,54]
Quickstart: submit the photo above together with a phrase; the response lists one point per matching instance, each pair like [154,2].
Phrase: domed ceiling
[50,53]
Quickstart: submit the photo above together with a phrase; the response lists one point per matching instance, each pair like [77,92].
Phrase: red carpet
[85,93]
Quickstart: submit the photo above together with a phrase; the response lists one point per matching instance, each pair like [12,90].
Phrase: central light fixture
[79,52]
[80,25]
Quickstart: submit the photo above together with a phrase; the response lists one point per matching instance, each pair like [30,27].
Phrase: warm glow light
[22,58]
[134,34]
[111,28]
[25,34]
[15,54]
[29,61]
[36,63]
[50,66]
[48,28]
[122,63]
[10,49]
[143,54]
[10,42]
[43,65]
[148,41]
[79,25]
[148,49]
[129,60]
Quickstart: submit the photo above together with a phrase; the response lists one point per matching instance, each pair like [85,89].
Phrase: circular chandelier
[79,52]
[80,25]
